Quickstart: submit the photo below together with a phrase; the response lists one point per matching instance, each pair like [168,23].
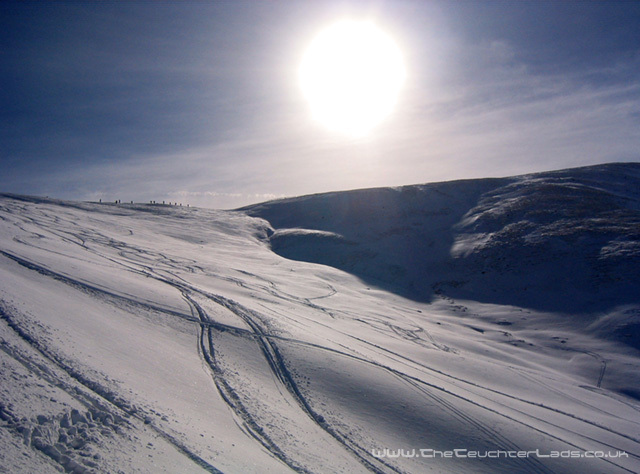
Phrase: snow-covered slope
[494,317]
[566,241]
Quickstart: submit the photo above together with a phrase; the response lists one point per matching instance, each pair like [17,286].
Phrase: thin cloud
[214,111]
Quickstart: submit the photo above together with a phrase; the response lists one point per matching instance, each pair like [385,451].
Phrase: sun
[351,75]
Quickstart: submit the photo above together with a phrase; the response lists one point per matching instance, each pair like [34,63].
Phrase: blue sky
[199,102]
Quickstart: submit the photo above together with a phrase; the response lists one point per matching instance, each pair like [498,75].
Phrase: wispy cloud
[212,113]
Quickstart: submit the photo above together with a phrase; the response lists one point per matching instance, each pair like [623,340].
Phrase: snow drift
[477,326]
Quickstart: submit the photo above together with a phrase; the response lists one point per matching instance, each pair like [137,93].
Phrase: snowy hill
[565,241]
[499,318]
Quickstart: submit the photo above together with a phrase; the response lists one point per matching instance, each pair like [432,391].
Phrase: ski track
[496,392]
[405,360]
[273,357]
[281,373]
[524,374]
[100,397]
[248,424]
[153,264]
[268,348]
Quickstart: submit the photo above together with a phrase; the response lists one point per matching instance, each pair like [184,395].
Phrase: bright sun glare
[351,75]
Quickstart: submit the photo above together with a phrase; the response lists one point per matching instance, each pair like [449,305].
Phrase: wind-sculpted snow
[147,338]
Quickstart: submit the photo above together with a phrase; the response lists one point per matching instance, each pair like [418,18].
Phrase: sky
[200,103]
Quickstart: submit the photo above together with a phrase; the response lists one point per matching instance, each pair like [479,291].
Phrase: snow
[325,333]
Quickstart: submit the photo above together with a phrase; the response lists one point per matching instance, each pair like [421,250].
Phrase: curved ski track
[144,262]
[274,359]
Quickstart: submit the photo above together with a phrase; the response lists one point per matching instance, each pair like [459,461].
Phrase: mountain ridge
[459,230]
